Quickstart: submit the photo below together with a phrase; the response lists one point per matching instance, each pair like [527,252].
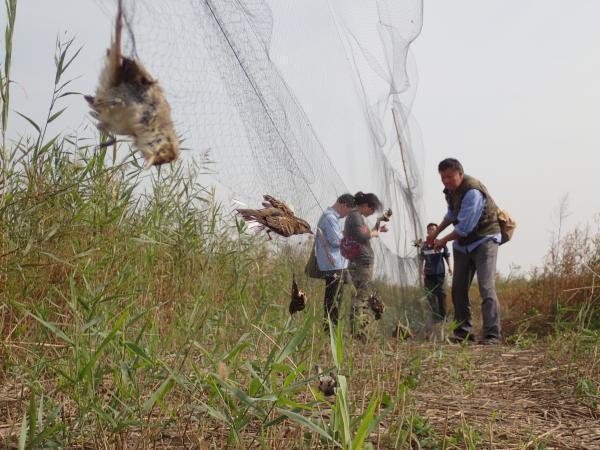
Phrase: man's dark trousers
[436,294]
[334,286]
[482,261]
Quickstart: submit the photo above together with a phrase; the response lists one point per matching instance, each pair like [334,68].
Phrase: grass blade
[305,422]
[159,394]
[366,424]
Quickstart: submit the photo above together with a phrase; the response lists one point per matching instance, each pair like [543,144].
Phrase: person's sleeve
[471,208]
[331,231]
[449,216]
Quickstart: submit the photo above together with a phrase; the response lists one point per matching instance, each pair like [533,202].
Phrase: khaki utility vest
[488,222]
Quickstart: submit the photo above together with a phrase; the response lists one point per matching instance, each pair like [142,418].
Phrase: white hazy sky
[512,89]
[509,87]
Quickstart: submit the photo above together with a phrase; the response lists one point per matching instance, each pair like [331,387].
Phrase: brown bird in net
[128,101]
[277,217]
[327,383]
[418,243]
[376,305]
[385,217]
[298,301]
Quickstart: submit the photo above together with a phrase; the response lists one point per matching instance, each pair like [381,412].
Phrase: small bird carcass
[276,216]
[129,102]
[327,383]
[376,305]
[298,301]
[385,217]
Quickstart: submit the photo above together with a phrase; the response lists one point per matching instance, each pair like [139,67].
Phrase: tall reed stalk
[5,82]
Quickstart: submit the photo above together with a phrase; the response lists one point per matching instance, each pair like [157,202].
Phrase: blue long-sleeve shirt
[469,214]
[327,243]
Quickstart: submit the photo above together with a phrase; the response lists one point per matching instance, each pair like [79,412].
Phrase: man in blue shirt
[476,236]
[327,251]
[433,272]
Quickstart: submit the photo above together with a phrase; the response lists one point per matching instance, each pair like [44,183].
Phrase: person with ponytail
[357,231]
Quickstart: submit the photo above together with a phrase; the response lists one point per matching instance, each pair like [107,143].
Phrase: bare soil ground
[513,398]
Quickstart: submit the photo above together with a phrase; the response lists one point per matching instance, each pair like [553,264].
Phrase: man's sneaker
[489,341]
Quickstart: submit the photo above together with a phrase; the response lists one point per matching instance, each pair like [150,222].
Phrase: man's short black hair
[451,163]
[431,225]
[347,199]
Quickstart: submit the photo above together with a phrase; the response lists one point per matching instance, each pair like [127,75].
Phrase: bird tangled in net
[327,383]
[376,305]
[128,101]
[276,216]
[298,300]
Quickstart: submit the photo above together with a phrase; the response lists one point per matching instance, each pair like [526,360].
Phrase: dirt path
[509,398]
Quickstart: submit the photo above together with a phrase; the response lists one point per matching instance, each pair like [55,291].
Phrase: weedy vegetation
[138,313]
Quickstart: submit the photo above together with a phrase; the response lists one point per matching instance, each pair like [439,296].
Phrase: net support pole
[402,156]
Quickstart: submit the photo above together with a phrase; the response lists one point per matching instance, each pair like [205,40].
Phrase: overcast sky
[509,87]
[512,89]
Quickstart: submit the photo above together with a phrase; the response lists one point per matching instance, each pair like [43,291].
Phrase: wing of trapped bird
[376,305]
[278,204]
[259,214]
[298,300]
[327,383]
[287,226]
[129,102]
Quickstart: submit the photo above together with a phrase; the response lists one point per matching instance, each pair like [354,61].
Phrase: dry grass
[448,396]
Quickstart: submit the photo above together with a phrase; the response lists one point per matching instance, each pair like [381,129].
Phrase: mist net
[302,100]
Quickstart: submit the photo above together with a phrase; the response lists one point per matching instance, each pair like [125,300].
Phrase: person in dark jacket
[476,236]
[433,272]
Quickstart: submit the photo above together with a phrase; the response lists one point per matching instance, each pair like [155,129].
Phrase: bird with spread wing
[276,216]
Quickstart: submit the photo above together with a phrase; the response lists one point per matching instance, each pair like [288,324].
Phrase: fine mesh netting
[302,100]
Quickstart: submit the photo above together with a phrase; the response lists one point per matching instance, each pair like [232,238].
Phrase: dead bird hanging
[385,217]
[128,101]
[298,300]
[376,305]
[276,216]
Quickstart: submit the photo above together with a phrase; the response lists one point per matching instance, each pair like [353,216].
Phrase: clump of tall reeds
[565,292]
